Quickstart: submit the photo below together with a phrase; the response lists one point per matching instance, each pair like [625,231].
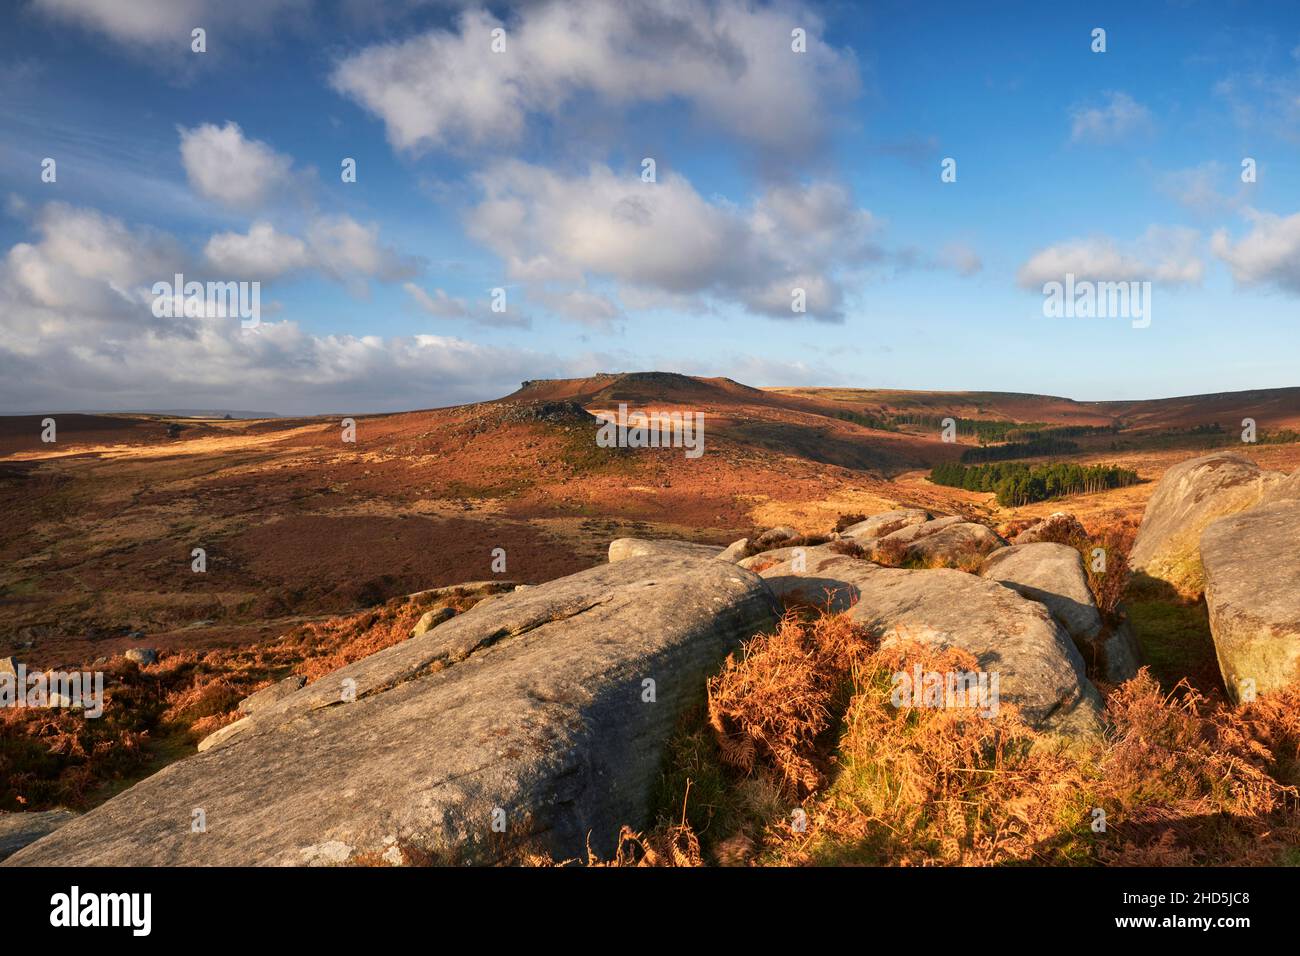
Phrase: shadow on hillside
[818,445]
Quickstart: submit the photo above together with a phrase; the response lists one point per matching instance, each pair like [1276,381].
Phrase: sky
[915,173]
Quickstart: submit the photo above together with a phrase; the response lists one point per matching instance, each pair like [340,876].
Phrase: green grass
[1173,635]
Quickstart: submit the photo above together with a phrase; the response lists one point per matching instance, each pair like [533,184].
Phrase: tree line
[1016,483]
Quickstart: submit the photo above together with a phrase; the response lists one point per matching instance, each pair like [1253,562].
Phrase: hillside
[297,523]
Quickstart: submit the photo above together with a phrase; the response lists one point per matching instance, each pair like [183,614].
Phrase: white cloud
[345,247]
[160,23]
[78,332]
[665,237]
[444,306]
[1166,254]
[439,304]
[338,246]
[730,60]
[225,166]
[262,252]
[579,305]
[1118,118]
[1197,188]
[85,260]
[1266,102]
[1267,255]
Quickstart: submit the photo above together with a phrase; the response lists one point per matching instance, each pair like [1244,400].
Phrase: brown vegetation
[1176,779]
[154,714]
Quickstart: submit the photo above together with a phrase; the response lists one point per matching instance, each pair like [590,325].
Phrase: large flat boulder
[1053,575]
[1038,666]
[1187,499]
[1252,589]
[532,711]
[620,549]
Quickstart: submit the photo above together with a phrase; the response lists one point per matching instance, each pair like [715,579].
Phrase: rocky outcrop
[910,533]
[1287,489]
[1053,575]
[877,526]
[953,544]
[1059,526]
[766,559]
[18,830]
[621,549]
[774,537]
[1190,496]
[735,551]
[272,694]
[468,589]
[431,619]
[1038,665]
[1252,589]
[544,712]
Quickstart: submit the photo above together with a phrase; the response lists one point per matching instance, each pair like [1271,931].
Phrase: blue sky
[521,170]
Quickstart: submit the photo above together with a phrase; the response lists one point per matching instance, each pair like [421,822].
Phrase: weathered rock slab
[954,543]
[621,549]
[531,709]
[1252,590]
[1057,527]
[271,694]
[734,552]
[1190,496]
[18,830]
[877,526]
[1053,575]
[1038,666]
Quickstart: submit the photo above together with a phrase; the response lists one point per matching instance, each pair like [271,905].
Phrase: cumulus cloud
[85,260]
[1119,117]
[224,166]
[338,246]
[1166,254]
[1269,254]
[79,332]
[730,60]
[158,23]
[666,237]
[345,247]
[261,253]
